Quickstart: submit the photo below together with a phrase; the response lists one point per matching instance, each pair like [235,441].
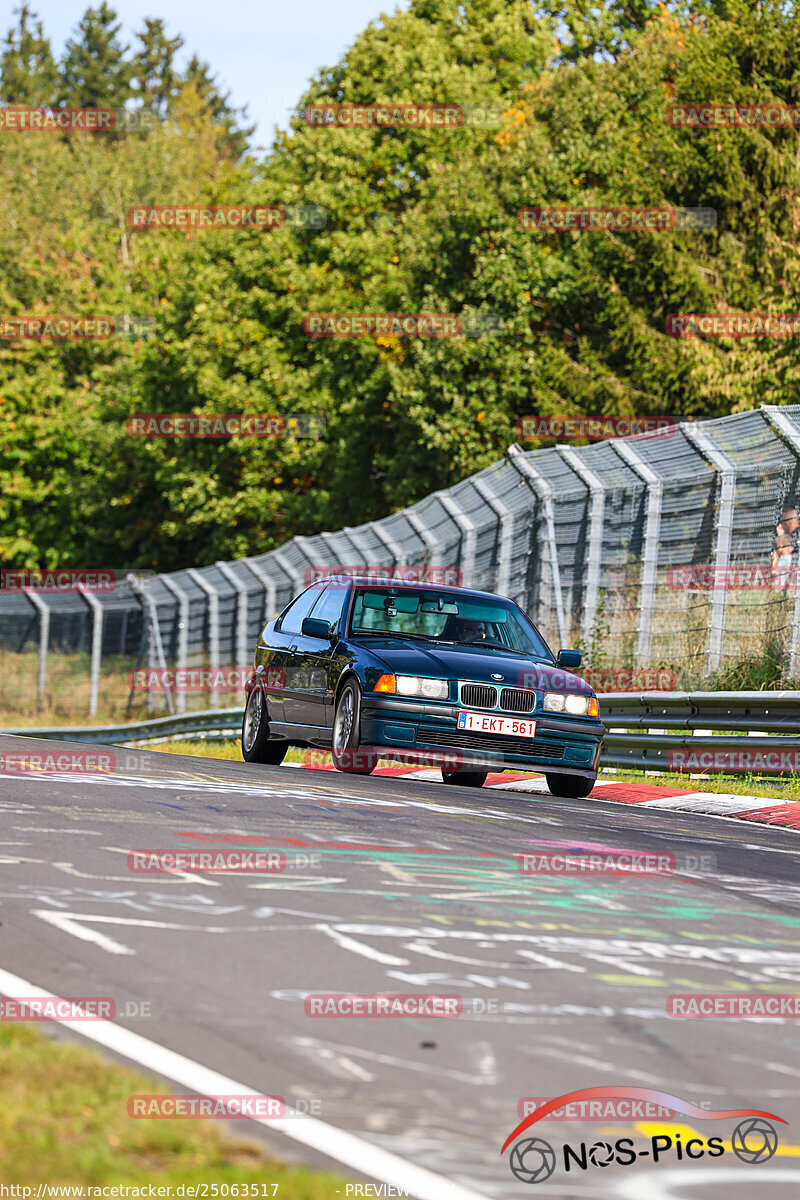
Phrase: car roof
[406,584]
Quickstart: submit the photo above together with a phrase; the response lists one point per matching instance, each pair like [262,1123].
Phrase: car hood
[407,656]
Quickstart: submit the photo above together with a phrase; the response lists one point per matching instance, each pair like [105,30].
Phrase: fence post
[298,584]
[356,541]
[506,519]
[594,560]
[183,634]
[153,642]
[241,613]
[787,432]
[96,609]
[469,535]
[213,626]
[268,586]
[432,554]
[396,551]
[543,492]
[44,642]
[702,440]
[652,533]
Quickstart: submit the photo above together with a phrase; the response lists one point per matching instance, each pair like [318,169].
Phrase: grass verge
[64,1120]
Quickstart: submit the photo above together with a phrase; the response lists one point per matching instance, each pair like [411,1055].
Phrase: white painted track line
[346,1148]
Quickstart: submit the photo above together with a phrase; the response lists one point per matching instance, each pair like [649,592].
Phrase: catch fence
[661,550]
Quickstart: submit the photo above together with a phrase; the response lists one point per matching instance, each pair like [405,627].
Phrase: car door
[271,661]
[296,668]
[311,692]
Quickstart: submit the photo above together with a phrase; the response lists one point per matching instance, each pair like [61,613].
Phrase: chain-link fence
[675,550]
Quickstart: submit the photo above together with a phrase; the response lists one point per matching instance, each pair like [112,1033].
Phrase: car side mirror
[313,627]
[570,659]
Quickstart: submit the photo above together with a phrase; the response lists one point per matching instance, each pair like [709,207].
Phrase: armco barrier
[763,716]
[225,722]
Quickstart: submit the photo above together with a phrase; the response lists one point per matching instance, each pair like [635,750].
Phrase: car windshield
[445,617]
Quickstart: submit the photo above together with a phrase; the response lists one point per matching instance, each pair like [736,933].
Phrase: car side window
[299,609]
[329,606]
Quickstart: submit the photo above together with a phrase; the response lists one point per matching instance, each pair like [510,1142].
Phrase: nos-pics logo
[533,1160]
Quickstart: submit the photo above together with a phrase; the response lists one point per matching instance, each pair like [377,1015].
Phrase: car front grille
[478,695]
[530,747]
[517,700]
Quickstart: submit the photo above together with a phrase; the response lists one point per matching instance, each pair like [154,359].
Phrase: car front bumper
[561,745]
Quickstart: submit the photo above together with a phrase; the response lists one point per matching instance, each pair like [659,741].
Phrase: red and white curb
[713,804]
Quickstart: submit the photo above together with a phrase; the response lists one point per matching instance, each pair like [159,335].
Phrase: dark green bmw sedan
[423,673]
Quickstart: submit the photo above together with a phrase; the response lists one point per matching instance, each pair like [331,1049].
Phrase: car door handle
[292,648]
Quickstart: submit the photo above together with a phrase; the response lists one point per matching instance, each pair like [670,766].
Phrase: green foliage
[27,66]
[418,220]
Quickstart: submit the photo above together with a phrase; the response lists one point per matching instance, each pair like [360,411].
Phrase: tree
[157,81]
[28,73]
[231,136]
[94,69]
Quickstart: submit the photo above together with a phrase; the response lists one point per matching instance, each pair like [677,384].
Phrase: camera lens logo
[601,1154]
[533,1160]
[754,1140]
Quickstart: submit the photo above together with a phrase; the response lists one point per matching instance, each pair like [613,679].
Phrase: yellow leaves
[526,296]
[396,258]
[481,416]
[278,479]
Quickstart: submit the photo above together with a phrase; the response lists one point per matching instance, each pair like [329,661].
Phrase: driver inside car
[461,629]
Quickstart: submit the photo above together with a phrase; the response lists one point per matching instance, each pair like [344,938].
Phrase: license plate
[488,723]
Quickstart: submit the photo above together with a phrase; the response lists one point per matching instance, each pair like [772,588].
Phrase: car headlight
[430,689]
[570,702]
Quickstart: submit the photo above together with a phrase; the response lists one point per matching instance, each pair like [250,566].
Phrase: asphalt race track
[400,886]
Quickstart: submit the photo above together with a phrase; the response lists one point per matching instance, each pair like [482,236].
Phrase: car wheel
[347,756]
[257,746]
[574,786]
[465,778]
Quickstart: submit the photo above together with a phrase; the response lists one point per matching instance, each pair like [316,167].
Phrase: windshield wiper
[492,644]
[388,633]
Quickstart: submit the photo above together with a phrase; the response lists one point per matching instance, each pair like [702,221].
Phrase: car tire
[576,787]
[346,738]
[465,778]
[257,746]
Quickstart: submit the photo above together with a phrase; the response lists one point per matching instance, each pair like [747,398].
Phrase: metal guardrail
[222,723]
[771,719]
[762,716]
